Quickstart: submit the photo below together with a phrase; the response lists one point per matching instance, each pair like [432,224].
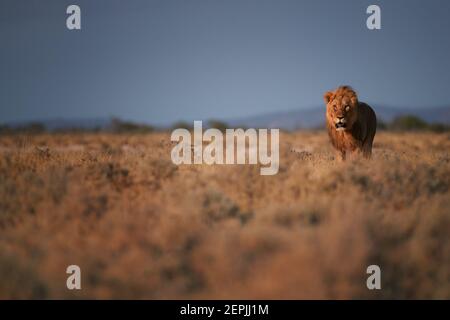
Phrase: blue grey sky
[159,61]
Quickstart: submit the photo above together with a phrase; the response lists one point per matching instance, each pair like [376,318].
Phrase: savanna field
[141,227]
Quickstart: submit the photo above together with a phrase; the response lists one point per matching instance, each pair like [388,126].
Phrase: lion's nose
[340,118]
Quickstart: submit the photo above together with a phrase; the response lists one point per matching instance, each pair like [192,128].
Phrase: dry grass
[140,227]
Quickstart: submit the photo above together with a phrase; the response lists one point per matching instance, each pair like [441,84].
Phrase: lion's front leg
[340,155]
[356,154]
[367,153]
[359,151]
[367,150]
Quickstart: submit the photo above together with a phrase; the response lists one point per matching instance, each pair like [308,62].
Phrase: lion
[351,124]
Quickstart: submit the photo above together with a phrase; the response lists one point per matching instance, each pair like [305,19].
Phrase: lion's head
[342,108]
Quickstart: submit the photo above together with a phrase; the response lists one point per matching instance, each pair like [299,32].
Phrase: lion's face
[342,107]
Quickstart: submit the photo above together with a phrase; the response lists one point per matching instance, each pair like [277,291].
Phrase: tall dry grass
[140,227]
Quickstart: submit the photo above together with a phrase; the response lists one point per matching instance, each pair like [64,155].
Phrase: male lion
[351,124]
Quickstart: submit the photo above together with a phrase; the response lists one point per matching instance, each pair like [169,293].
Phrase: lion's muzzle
[340,123]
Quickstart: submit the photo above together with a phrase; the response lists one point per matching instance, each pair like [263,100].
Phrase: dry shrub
[141,227]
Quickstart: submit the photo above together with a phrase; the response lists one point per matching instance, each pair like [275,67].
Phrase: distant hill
[65,123]
[315,117]
[288,120]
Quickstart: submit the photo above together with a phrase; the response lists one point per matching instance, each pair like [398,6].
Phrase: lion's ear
[327,97]
[354,100]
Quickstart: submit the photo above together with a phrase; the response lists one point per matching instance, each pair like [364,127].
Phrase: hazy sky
[165,60]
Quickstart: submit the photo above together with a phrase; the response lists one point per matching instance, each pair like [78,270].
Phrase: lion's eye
[347,108]
[334,108]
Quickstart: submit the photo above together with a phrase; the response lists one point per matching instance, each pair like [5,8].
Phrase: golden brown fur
[351,124]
